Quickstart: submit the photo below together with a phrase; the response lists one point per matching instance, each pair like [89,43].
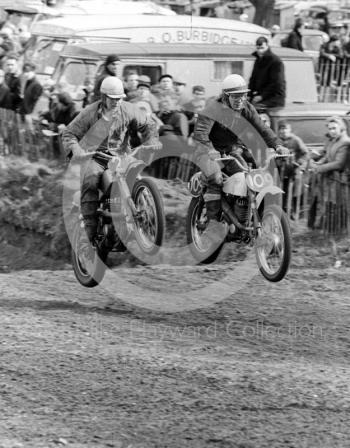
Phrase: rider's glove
[282,150]
[210,168]
[78,153]
[213,154]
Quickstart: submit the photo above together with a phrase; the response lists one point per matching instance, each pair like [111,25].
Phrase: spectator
[32,89]
[336,148]
[291,170]
[331,179]
[274,30]
[4,92]
[195,105]
[13,81]
[62,111]
[165,87]
[13,21]
[295,37]
[110,68]
[144,93]
[179,87]
[267,83]
[198,95]
[6,44]
[174,121]
[43,103]
[331,62]
[130,86]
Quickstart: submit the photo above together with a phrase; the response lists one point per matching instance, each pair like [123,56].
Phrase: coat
[91,132]
[295,40]
[268,79]
[337,154]
[220,127]
[14,84]
[32,92]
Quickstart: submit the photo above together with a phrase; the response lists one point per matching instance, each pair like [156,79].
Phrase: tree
[263,12]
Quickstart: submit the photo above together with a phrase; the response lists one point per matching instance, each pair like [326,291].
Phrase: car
[312,41]
[308,120]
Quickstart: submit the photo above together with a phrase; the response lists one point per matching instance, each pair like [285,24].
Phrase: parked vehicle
[251,215]
[131,211]
[312,41]
[196,63]
[50,37]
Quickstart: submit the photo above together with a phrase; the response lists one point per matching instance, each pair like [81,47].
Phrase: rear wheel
[196,222]
[273,245]
[150,226]
[88,262]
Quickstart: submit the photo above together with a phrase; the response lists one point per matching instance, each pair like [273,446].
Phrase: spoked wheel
[150,226]
[196,222]
[273,245]
[88,263]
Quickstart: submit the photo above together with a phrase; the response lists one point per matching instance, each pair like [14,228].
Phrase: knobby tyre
[88,263]
[196,216]
[150,229]
[274,246]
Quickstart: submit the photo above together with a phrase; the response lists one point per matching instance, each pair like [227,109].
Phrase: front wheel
[196,223]
[273,244]
[88,263]
[150,225]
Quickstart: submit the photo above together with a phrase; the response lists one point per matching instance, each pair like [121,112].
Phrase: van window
[76,74]
[224,68]
[46,54]
[154,72]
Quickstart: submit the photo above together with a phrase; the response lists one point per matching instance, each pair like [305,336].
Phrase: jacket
[32,92]
[91,132]
[337,153]
[295,40]
[268,79]
[221,127]
[14,84]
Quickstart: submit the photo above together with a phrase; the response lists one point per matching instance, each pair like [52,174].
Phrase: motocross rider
[105,125]
[223,128]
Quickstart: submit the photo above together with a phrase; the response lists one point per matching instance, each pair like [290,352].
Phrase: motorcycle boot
[216,231]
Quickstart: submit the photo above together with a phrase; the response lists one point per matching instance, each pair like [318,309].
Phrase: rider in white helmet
[228,124]
[105,125]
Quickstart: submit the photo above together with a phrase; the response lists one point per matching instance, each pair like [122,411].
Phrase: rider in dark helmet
[105,125]
[223,128]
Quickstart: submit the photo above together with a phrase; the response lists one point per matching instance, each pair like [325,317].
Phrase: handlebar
[268,160]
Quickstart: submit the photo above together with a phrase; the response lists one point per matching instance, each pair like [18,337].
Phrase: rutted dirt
[266,367]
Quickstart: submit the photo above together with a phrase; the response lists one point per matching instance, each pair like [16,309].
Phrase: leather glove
[211,169]
[282,150]
[78,154]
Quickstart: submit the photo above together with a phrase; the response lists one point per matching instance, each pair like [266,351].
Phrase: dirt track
[266,367]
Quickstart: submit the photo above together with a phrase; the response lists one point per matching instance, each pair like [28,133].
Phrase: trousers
[89,199]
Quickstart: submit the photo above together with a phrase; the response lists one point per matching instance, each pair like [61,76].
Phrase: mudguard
[272,189]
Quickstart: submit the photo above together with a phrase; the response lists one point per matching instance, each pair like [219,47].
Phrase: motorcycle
[251,216]
[130,211]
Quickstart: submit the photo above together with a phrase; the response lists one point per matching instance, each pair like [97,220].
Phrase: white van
[205,64]
[50,36]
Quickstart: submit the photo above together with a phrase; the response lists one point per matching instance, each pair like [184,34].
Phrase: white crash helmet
[234,84]
[112,87]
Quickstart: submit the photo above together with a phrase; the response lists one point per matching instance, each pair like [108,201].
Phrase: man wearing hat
[144,93]
[267,83]
[180,89]
[165,87]
[228,125]
[110,68]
